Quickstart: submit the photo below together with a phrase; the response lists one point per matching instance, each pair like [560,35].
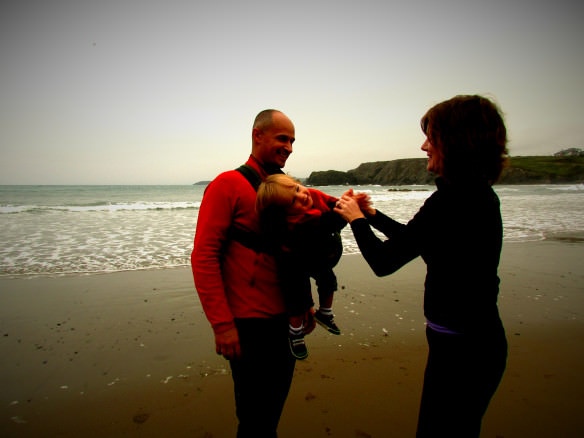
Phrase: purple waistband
[440,328]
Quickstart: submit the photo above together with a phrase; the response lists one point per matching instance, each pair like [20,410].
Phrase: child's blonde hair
[277,191]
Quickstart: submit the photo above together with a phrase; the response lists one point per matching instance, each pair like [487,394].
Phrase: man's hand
[227,344]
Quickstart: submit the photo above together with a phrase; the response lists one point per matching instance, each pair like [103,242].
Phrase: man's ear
[256,134]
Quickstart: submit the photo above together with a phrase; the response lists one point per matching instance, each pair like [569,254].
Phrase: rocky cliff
[521,170]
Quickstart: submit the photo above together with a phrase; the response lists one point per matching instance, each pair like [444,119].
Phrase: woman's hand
[348,208]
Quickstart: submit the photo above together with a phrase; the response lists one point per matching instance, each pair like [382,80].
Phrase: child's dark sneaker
[327,321]
[298,346]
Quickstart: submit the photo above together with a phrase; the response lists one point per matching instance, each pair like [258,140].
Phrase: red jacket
[232,280]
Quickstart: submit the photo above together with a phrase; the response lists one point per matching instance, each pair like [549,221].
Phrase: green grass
[558,167]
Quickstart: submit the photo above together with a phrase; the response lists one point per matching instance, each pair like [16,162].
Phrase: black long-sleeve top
[458,232]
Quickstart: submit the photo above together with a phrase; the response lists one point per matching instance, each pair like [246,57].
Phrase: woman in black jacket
[458,233]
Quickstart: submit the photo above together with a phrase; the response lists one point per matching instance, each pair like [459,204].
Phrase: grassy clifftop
[544,169]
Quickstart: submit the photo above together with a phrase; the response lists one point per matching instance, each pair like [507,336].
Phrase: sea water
[60,230]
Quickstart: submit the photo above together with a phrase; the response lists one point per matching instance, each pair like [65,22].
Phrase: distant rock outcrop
[570,152]
[330,178]
[396,172]
[410,171]
[401,172]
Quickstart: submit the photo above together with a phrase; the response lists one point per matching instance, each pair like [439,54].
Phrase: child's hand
[364,202]
[349,193]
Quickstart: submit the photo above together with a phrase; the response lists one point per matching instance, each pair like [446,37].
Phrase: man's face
[273,145]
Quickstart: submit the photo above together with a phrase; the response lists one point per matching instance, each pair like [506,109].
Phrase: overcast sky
[165,92]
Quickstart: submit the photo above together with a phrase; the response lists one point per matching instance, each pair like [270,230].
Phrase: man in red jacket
[235,277]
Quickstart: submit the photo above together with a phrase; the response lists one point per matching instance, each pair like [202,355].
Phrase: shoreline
[131,354]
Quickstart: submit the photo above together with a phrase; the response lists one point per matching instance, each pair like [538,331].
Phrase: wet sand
[131,354]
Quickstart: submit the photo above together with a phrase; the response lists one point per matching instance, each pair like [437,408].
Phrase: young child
[302,226]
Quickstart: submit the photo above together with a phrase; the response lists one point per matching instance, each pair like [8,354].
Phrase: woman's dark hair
[470,135]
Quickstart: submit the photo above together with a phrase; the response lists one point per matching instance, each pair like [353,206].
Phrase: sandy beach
[131,354]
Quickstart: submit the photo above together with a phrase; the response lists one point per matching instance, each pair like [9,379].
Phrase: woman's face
[301,202]
[434,157]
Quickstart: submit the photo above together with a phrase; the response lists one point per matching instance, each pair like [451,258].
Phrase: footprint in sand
[140,418]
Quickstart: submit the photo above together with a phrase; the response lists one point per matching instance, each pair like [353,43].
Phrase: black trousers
[262,376]
[462,374]
[295,280]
